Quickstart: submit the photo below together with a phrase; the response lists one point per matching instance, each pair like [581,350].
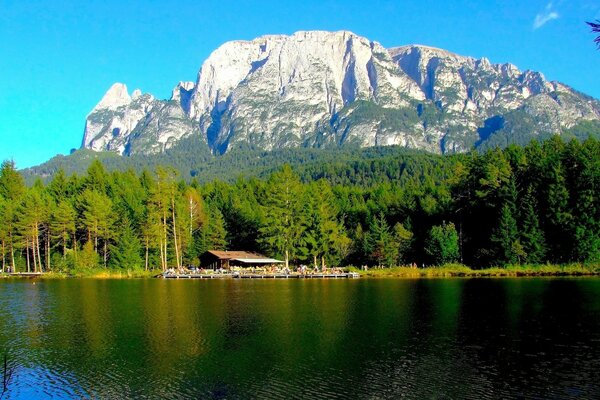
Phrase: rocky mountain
[315,89]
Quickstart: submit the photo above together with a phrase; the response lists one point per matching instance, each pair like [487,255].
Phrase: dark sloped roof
[228,255]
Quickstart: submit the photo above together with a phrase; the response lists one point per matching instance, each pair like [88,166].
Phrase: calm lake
[362,338]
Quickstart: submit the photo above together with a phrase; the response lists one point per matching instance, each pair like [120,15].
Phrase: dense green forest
[532,204]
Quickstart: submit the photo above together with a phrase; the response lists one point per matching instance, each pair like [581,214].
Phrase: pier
[21,274]
[340,275]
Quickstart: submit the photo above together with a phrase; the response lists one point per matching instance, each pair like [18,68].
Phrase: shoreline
[462,271]
[444,271]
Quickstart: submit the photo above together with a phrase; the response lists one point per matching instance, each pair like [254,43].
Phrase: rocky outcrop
[334,88]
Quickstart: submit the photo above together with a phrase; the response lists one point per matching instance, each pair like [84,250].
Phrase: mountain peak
[115,97]
[319,88]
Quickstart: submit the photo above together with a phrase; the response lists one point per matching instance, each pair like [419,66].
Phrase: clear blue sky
[57,58]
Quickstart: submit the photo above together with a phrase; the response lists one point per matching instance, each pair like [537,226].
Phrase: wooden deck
[343,275]
[21,274]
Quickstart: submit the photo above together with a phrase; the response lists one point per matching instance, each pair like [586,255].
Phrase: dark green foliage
[126,254]
[442,244]
[531,235]
[377,206]
[380,245]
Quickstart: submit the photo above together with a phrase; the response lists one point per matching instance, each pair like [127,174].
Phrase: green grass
[101,273]
[459,270]
[443,271]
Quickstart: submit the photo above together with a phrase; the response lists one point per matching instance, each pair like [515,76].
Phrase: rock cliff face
[334,88]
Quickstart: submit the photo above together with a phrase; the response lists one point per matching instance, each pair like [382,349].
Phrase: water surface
[441,338]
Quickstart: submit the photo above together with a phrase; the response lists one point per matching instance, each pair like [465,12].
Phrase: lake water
[365,338]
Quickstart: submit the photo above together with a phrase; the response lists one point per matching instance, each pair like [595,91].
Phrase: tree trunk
[164,241]
[64,244]
[162,256]
[3,256]
[105,249]
[12,253]
[27,252]
[37,247]
[175,234]
[315,260]
[48,249]
[33,249]
[191,216]
[322,262]
[75,246]
[146,254]
[287,259]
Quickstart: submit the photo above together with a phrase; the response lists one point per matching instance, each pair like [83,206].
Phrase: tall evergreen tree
[380,243]
[126,253]
[12,188]
[98,219]
[531,235]
[283,228]
[63,223]
[442,244]
[506,234]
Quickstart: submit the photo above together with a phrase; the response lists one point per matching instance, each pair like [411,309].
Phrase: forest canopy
[532,204]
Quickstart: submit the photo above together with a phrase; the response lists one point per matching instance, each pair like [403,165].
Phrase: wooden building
[217,259]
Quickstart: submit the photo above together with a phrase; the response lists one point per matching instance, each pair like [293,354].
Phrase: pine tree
[442,244]
[404,238]
[126,254]
[531,236]
[558,216]
[30,216]
[283,229]
[587,211]
[506,235]
[87,257]
[380,243]
[63,223]
[323,235]
[12,189]
[3,234]
[212,233]
[98,219]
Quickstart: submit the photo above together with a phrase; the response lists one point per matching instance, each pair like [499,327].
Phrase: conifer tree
[12,188]
[3,233]
[442,244]
[125,254]
[558,217]
[506,235]
[283,229]
[98,219]
[380,243]
[30,216]
[531,236]
[63,223]
[404,238]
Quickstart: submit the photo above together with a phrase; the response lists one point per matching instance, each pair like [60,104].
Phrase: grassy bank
[444,271]
[458,270]
[96,273]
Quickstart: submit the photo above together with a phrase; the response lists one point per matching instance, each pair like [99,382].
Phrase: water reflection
[253,339]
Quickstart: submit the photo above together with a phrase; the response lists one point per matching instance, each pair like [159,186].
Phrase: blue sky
[57,58]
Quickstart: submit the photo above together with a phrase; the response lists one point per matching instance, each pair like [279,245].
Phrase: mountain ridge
[328,89]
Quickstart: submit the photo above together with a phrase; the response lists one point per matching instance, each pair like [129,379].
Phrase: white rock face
[116,97]
[320,88]
[111,122]
[276,91]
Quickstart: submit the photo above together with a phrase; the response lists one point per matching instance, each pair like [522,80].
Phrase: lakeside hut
[217,259]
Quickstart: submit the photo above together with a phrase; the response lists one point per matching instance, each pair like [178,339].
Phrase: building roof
[236,255]
[258,260]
